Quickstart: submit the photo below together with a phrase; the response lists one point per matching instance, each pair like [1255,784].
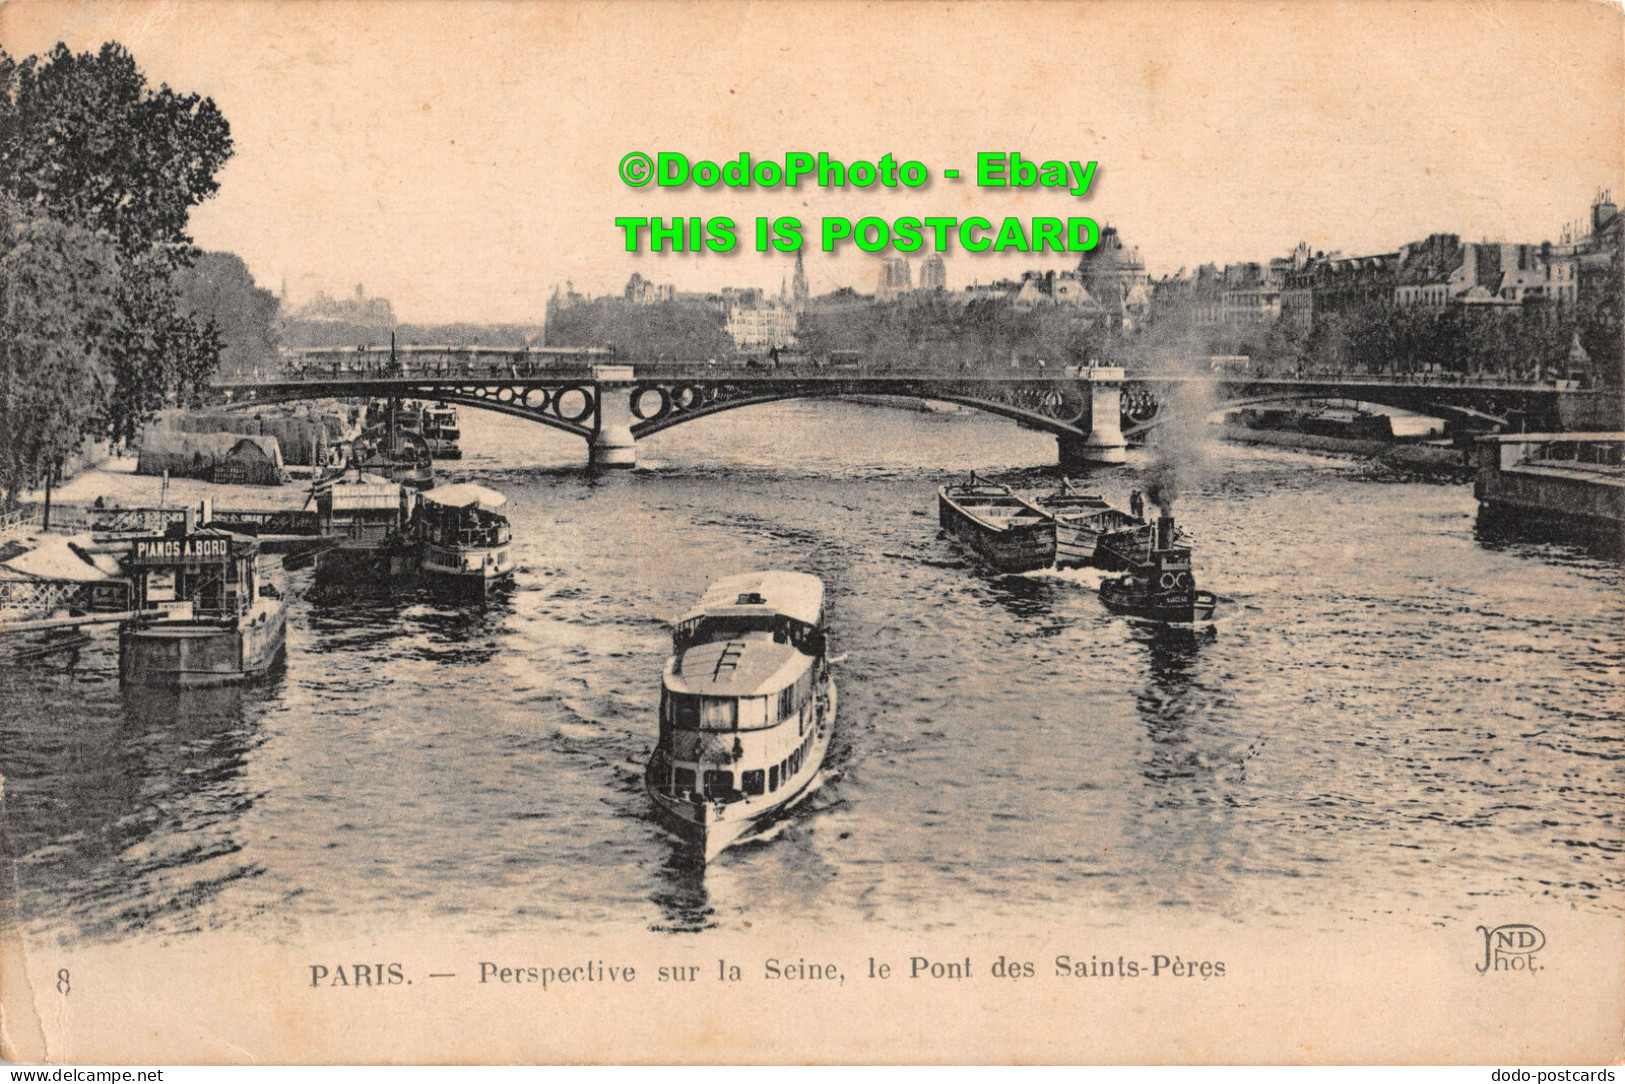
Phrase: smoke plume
[1177,445]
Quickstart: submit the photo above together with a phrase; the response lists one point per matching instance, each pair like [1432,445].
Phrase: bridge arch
[726,397]
[1138,428]
[518,403]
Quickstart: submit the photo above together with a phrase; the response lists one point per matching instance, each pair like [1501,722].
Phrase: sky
[461,159]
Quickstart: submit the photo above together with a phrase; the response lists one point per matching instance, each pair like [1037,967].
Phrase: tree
[86,141]
[218,292]
[58,300]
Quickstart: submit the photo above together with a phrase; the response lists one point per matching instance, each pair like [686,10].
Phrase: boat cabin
[739,702]
[204,574]
[462,517]
[362,507]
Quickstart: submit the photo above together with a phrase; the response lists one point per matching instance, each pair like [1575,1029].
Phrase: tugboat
[1162,587]
[1007,531]
[747,707]
[463,539]
[206,619]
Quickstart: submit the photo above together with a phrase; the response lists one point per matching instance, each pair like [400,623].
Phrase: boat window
[686,711]
[752,712]
[752,783]
[719,713]
[718,784]
[787,702]
[685,779]
[773,777]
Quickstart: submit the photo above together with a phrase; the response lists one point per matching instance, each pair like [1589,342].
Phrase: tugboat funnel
[1165,531]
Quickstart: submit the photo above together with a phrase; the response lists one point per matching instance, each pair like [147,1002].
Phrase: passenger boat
[1007,531]
[441,431]
[1163,586]
[363,519]
[463,538]
[1081,520]
[747,707]
[206,618]
[400,457]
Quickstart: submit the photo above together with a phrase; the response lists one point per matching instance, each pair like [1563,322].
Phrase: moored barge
[747,707]
[205,618]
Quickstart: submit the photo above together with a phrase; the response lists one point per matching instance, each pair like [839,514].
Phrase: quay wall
[1554,494]
[1283,438]
[1602,412]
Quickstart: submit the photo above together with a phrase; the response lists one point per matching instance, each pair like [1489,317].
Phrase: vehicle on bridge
[747,707]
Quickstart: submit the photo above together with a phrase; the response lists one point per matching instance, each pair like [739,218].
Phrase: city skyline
[462,170]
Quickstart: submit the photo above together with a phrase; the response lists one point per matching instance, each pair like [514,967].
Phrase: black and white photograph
[807,533]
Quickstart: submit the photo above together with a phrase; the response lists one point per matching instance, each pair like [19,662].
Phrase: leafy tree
[218,292]
[58,299]
[85,140]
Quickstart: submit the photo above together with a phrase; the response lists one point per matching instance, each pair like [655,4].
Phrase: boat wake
[1089,578]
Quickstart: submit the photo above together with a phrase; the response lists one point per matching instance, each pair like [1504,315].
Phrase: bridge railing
[364,367]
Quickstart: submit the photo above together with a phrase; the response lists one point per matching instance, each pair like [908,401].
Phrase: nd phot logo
[1511,947]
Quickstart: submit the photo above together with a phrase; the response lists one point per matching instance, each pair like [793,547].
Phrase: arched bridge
[1091,412]
[613,406]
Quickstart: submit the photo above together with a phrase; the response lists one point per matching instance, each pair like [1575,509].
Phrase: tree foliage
[218,292]
[58,301]
[85,140]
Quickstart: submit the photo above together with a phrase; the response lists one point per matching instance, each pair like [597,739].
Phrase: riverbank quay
[1564,486]
[60,565]
[1435,461]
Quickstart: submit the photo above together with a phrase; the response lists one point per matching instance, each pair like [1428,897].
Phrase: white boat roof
[796,595]
[754,665]
[465,495]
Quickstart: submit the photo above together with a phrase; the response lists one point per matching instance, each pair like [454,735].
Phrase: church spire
[798,287]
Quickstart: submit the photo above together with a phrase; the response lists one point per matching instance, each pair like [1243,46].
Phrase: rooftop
[752,665]
[794,594]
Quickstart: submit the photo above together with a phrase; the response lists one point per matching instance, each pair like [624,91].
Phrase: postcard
[788,532]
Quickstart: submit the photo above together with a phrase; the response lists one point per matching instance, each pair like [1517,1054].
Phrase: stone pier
[1105,443]
[612,443]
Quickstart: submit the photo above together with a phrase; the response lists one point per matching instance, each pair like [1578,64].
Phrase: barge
[1006,530]
[747,708]
[204,616]
[1081,521]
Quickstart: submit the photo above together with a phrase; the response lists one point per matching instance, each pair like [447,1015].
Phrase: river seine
[1391,713]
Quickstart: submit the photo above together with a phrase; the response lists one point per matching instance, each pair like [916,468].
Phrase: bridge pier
[1105,443]
[612,443]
